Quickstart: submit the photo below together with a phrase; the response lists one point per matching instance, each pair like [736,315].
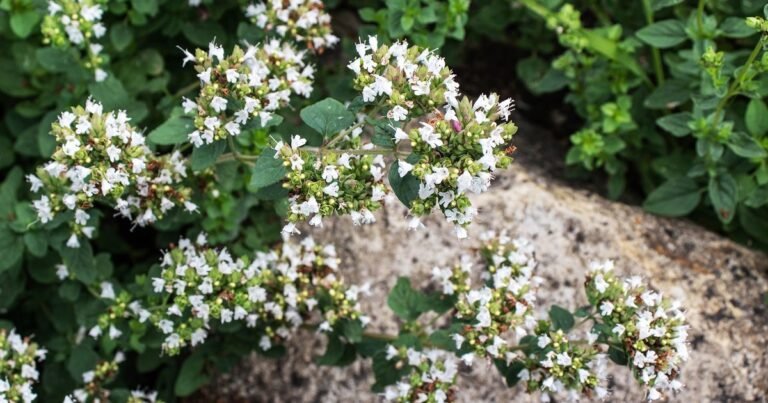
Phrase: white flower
[606,308]
[403,168]
[397,113]
[219,104]
[429,136]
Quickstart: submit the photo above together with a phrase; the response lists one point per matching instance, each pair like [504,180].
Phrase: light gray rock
[720,282]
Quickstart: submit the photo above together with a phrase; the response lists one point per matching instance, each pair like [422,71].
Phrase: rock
[722,284]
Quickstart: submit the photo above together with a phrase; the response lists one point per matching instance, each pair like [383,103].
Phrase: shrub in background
[674,102]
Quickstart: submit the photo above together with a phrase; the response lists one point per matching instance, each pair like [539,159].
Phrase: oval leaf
[676,197]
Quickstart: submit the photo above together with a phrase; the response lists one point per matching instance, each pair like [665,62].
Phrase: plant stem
[736,85]
[371,151]
[700,17]
[344,133]
[235,155]
[185,90]
[655,53]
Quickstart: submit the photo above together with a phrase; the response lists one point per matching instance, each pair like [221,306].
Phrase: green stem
[601,16]
[185,90]
[700,18]
[372,151]
[537,8]
[736,85]
[655,53]
[344,133]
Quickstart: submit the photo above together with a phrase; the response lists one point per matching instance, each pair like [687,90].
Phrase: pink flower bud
[456,125]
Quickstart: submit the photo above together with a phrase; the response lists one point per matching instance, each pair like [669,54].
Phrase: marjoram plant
[223,184]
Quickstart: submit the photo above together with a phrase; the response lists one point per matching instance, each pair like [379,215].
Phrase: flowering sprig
[94,384]
[18,367]
[560,367]
[631,324]
[101,157]
[431,379]
[504,304]
[651,328]
[77,23]
[303,21]
[445,148]
[244,85]
[274,292]
[326,184]
[455,154]
[461,143]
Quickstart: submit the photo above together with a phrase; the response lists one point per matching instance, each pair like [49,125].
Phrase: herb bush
[672,96]
[161,158]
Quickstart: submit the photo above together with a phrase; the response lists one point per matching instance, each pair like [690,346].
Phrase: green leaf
[173,131]
[754,222]
[676,123]
[148,7]
[275,191]
[736,27]
[24,22]
[69,290]
[82,359]
[561,318]
[758,198]
[385,372]
[36,243]
[121,36]
[618,356]
[744,145]
[724,194]
[267,171]
[663,34]
[56,60]
[598,41]
[675,197]
[191,376]
[510,372]
[80,262]
[24,217]
[327,117]
[657,5]
[539,76]
[201,33]
[668,95]
[406,188]
[333,352]
[406,302]
[352,330]
[206,155]
[11,248]
[756,117]
[7,156]
[406,22]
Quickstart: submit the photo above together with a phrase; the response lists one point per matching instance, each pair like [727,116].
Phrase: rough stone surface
[721,283]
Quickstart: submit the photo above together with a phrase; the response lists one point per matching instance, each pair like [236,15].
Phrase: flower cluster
[18,372]
[275,292]
[101,157]
[77,23]
[94,385]
[431,379]
[303,21]
[246,84]
[455,151]
[330,183]
[652,329]
[564,368]
[505,303]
